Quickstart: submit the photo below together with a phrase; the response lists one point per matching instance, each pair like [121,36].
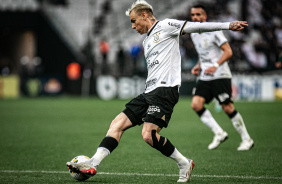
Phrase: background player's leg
[206,117]
[238,123]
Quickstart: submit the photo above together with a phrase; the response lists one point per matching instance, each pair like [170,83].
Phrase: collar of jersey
[151,29]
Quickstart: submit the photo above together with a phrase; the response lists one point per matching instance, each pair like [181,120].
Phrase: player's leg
[107,145]
[206,117]
[161,102]
[223,93]
[238,123]
[150,134]
[110,142]
[128,118]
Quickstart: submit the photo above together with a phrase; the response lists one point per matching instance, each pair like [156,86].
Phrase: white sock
[178,158]
[239,125]
[208,120]
[100,154]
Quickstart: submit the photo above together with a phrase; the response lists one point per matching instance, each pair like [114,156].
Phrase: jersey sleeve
[199,27]
[174,27]
[219,38]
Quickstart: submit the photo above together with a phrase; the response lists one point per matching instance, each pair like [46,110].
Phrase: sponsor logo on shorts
[223,96]
[153,109]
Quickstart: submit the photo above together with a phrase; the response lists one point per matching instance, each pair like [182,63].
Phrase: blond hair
[140,6]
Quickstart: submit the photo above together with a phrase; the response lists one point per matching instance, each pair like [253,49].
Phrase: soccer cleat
[246,145]
[72,169]
[217,140]
[84,167]
[91,171]
[185,171]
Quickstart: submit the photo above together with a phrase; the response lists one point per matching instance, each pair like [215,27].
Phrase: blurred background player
[154,107]
[215,81]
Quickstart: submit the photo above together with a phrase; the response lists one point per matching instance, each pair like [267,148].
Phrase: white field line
[147,174]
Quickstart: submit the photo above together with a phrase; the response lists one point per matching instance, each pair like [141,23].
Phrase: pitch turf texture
[38,136]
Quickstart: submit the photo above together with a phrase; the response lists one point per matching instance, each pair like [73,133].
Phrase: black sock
[201,112]
[232,114]
[109,143]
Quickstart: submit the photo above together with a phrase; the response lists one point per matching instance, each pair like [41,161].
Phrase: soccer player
[154,107]
[215,82]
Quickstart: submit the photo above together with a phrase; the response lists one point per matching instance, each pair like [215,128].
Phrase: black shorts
[219,89]
[154,107]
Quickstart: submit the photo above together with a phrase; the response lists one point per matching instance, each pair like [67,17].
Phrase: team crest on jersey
[156,37]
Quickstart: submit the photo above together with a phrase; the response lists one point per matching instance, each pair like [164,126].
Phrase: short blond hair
[140,6]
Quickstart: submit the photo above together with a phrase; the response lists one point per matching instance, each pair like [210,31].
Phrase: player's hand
[210,70]
[196,70]
[238,25]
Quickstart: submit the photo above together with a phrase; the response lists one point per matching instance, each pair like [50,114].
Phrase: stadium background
[87,47]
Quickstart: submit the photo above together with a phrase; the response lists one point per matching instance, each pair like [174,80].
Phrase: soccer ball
[78,175]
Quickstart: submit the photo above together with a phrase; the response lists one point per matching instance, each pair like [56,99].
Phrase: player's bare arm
[227,54]
[238,25]
[196,69]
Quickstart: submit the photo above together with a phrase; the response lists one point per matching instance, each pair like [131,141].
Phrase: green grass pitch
[38,136]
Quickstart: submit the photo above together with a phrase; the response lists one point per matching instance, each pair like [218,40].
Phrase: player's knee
[147,137]
[228,108]
[224,107]
[196,106]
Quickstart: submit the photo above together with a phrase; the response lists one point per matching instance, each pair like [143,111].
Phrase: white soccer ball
[79,176]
